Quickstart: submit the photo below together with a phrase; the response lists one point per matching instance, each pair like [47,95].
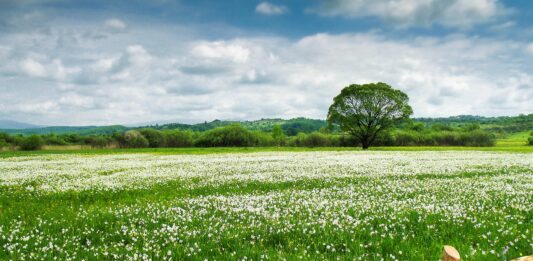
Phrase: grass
[500,147]
[304,203]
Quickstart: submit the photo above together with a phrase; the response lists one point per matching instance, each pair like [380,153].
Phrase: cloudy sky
[132,61]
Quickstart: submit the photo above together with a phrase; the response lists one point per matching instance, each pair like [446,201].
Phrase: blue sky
[109,62]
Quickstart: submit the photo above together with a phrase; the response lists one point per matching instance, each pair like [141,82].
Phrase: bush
[3,144]
[73,138]
[230,136]
[52,139]
[314,139]
[176,138]
[476,138]
[97,141]
[266,139]
[278,135]
[530,140]
[33,142]
[155,138]
[133,139]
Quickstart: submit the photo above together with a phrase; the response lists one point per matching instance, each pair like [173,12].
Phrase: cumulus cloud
[267,8]
[190,79]
[529,48]
[452,13]
[220,50]
[115,25]
[33,68]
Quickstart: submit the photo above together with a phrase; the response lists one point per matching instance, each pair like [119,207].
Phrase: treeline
[235,135]
[499,125]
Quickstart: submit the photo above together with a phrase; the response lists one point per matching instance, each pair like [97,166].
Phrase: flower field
[267,206]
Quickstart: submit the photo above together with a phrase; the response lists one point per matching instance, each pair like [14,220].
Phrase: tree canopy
[367,110]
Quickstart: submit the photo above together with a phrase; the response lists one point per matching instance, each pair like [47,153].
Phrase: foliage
[98,141]
[369,109]
[53,139]
[278,135]
[230,136]
[33,142]
[133,139]
[177,138]
[315,139]
[155,138]
[530,140]
[302,125]
[476,138]
[83,130]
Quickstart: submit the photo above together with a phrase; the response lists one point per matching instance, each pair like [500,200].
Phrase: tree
[133,139]
[277,135]
[367,110]
[230,136]
[155,138]
[33,142]
[177,138]
[97,141]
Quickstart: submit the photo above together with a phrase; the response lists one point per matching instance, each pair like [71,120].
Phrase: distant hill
[83,130]
[507,124]
[290,127]
[499,124]
[8,124]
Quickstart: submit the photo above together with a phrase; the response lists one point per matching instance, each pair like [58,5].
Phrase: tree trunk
[365,143]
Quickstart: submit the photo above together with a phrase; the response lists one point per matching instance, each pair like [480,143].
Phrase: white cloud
[166,75]
[453,13]
[53,69]
[267,8]
[33,68]
[529,48]
[115,24]
[221,50]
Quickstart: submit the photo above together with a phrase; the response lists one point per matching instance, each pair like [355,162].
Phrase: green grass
[321,216]
[508,145]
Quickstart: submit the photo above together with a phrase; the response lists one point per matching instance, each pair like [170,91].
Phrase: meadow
[266,204]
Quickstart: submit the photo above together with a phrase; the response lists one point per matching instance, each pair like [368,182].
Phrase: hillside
[83,130]
[291,127]
[509,124]
[9,124]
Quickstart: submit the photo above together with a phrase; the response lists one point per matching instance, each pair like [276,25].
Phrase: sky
[126,62]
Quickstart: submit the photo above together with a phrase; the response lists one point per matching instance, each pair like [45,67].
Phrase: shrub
[176,138]
[98,141]
[155,138]
[33,142]
[3,144]
[52,139]
[314,139]
[266,139]
[345,140]
[476,138]
[72,138]
[133,139]
[530,140]
[278,135]
[230,136]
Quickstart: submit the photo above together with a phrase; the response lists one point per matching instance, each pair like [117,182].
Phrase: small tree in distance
[277,135]
[367,110]
[33,142]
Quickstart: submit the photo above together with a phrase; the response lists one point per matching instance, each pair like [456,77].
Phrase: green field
[268,203]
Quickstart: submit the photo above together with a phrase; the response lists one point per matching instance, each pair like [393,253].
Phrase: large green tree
[367,110]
